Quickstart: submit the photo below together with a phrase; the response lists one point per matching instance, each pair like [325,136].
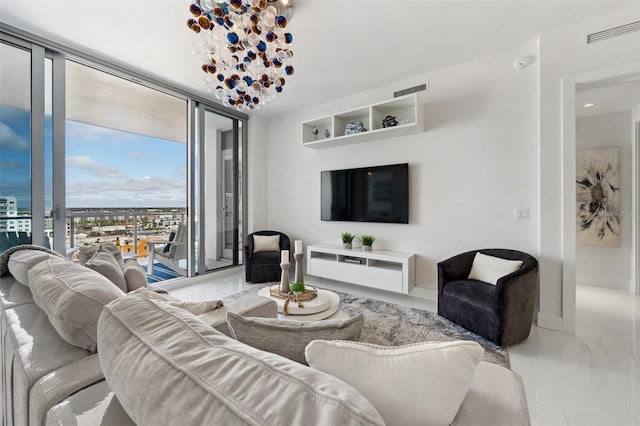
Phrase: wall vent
[613,32]
[414,89]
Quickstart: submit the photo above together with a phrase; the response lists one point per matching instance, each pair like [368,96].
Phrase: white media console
[381,269]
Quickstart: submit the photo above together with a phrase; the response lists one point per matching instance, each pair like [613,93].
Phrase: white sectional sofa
[47,380]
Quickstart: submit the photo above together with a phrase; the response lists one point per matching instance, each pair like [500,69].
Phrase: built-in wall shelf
[408,111]
[381,269]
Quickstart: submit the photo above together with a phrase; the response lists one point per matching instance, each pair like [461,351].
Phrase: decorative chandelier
[244,48]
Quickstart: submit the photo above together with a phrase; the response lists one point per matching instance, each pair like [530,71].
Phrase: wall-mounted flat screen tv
[367,194]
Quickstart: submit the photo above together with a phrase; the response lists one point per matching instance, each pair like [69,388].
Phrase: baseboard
[603,282]
[551,322]
[424,293]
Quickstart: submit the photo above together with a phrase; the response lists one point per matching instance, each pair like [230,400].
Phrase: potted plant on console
[347,239]
[367,242]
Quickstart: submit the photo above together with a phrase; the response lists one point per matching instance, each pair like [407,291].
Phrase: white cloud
[11,141]
[93,167]
[143,192]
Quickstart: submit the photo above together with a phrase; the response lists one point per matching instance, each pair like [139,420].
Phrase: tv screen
[367,194]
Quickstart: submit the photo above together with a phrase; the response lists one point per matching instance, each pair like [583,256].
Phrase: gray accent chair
[501,313]
[263,266]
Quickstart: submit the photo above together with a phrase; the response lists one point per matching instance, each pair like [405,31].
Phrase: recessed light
[588,105]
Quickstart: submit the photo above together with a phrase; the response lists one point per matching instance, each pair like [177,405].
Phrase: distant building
[9,210]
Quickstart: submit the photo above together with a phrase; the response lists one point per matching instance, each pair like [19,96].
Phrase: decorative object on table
[307,294]
[347,239]
[354,127]
[315,131]
[598,197]
[299,254]
[284,278]
[244,47]
[367,242]
[389,121]
[327,133]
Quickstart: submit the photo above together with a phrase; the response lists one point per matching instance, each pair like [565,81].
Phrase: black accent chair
[263,266]
[502,313]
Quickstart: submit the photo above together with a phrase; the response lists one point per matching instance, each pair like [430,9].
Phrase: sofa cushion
[72,296]
[86,252]
[422,383]
[134,275]
[490,269]
[266,243]
[152,353]
[20,262]
[289,337]
[105,264]
[496,397]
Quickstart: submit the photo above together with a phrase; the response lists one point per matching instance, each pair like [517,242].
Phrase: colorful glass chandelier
[244,48]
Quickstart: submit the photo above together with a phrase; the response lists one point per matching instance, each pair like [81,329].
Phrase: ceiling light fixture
[588,105]
[244,48]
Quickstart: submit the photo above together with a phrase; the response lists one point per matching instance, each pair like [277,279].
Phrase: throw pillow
[134,275]
[86,252]
[72,296]
[104,263]
[266,243]
[152,352]
[288,337]
[428,381]
[20,262]
[490,269]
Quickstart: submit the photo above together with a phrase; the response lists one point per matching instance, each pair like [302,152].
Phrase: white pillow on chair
[490,269]
[266,243]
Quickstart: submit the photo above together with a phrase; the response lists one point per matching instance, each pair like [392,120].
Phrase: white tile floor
[590,378]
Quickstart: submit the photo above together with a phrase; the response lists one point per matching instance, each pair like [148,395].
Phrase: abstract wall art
[598,197]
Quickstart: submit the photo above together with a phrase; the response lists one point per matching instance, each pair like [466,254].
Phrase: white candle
[285,256]
[298,246]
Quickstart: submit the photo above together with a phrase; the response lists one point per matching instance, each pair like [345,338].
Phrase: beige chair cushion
[168,367]
[20,262]
[134,275]
[266,243]
[421,383]
[289,337]
[105,264]
[72,296]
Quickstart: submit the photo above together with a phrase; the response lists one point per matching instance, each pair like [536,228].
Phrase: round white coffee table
[325,305]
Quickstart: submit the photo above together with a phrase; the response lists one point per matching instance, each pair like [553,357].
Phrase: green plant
[347,237]
[367,240]
[296,287]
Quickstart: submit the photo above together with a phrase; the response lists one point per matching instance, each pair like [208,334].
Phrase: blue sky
[104,167]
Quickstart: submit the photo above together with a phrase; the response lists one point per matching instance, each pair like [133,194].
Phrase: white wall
[475,163]
[256,175]
[563,53]
[609,266]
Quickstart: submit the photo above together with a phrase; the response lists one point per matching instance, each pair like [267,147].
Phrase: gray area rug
[389,324]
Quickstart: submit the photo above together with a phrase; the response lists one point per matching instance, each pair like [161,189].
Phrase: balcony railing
[126,223]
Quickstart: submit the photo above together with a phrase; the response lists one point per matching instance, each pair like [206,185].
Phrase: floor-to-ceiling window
[119,166]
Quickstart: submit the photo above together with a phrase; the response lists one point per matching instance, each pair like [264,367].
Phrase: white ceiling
[340,47]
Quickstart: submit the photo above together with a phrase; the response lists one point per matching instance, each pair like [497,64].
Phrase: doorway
[569,108]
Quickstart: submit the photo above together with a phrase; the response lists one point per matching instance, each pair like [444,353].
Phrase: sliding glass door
[219,184]
[93,152]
